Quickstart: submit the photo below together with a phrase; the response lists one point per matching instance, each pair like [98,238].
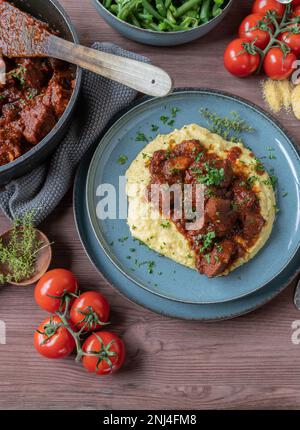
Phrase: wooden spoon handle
[142,77]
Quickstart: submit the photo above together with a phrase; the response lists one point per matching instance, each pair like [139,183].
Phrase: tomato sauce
[232,218]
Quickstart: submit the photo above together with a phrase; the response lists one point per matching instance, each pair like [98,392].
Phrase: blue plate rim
[166,314]
[99,150]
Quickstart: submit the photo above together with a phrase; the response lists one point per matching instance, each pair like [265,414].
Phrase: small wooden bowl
[43,259]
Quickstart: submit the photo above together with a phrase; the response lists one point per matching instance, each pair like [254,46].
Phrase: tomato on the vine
[52,287]
[292,39]
[90,310]
[248,31]
[263,6]
[110,349]
[295,3]
[240,59]
[278,65]
[52,339]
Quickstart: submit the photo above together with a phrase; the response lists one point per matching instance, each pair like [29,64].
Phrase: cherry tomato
[53,340]
[296,11]
[292,40]
[276,66]
[295,3]
[262,36]
[54,283]
[262,6]
[111,353]
[90,310]
[238,62]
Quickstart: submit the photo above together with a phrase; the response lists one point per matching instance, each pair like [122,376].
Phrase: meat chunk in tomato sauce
[252,224]
[176,165]
[38,120]
[217,261]
[220,213]
[244,197]
[33,98]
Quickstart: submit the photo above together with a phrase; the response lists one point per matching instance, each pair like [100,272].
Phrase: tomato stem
[286,23]
[103,354]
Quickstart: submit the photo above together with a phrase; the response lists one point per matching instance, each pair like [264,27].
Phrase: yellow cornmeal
[282,95]
[277,94]
[296,101]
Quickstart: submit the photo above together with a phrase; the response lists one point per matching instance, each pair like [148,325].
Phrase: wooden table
[249,362]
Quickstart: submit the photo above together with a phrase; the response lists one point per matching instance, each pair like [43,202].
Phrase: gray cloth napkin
[42,189]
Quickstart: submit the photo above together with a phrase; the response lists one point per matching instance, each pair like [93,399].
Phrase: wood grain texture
[249,362]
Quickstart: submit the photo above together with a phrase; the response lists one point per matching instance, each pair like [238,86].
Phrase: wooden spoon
[21,35]
[43,259]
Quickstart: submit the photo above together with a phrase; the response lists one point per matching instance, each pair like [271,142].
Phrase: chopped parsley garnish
[198,156]
[140,137]
[209,192]
[164,119]
[150,266]
[207,240]
[174,111]
[122,239]
[207,258]
[154,127]
[219,247]
[32,92]
[211,176]
[272,181]
[19,74]
[122,159]
[251,180]
[259,165]
[165,224]
[217,259]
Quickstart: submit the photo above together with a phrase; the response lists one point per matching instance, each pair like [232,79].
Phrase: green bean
[170,17]
[160,6]
[134,20]
[205,9]
[114,9]
[167,3]
[107,3]
[216,11]
[151,10]
[127,10]
[186,6]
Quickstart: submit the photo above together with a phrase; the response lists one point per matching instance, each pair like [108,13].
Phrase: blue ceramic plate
[160,305]
[168,279]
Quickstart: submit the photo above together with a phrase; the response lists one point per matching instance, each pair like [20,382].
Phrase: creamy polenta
[160,234]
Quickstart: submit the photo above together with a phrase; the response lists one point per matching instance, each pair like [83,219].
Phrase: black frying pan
[51,12]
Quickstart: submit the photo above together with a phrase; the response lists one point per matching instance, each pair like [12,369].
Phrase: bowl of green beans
[163,22]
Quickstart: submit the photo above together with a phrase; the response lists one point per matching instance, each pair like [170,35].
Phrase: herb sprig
[229,128]
[19,254]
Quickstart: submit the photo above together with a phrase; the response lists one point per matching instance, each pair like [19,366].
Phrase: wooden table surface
[249,362]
